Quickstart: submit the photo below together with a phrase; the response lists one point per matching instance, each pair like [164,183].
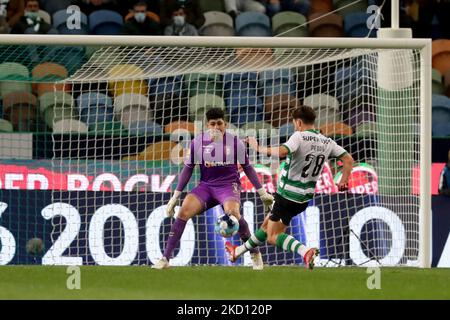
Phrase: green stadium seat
[200,83]
[199,104]
[19,76]
[70,126]
[6,126]
[56,106]
[366,130]
[287,20]
[217,24]
[437,85]
[105,129]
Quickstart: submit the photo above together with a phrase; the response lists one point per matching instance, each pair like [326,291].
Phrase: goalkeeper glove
[170,210]
[266,198]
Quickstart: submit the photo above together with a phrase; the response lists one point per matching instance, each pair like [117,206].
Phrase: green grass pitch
[210,282]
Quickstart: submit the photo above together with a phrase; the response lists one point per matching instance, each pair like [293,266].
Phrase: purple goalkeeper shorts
[211,196]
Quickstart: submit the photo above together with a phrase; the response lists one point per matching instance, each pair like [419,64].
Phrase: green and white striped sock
[255,240]
[289,243]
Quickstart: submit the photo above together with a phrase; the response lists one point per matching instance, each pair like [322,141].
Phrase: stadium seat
[60,23]
[95,107]
[287,129]
[440,111]
[179,125]
[105,22]
[330,25]
[52,6]
[336,129]
[45,74]
[20,109]
[231,128]
[166,85]
[352,81]
[44,15]
[366,130]
[70,126]
[441,130]
[157,151]
[437,85]
[55,106]
[246,57]
[359,112]
[199,104]
[16,72]
[208,5]
[322,6]
[69,56]
[257,127]
[167,108]
[5,126]
[127,71]
[244,109]
[284,21]
[202,83]
[130,108]
[276,82]
[447,83]
[245,84]
[441,55]
[253,24]
[345,8]
[355,25]
[317,101]
[278,108]
[145,128]
[107,129]
[217,24]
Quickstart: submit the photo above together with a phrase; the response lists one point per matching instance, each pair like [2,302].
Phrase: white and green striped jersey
[308,152]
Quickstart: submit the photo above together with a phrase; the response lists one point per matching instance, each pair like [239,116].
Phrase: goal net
[122,121]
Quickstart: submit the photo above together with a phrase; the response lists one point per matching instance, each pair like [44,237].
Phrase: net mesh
[123,118]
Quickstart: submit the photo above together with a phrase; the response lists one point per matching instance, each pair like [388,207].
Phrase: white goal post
[304,58]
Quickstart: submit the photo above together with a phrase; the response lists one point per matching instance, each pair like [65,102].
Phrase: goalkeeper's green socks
[255,240]
[289,243]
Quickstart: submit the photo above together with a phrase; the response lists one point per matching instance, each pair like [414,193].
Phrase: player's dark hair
[304,113]
[215,113]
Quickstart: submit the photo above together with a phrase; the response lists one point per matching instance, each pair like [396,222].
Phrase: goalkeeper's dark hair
[304,113]
[215,113]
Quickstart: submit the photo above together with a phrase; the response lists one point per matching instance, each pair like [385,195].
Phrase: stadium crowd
[295,18]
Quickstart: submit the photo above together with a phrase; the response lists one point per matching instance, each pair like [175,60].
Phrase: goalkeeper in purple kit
[218,154]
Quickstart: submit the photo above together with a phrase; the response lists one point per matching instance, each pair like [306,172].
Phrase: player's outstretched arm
[183,180]
[346,171]
[250,172]
[280,151]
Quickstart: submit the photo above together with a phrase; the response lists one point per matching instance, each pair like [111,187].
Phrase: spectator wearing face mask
[31,22]
[140,22]
[179,26]
[192,10]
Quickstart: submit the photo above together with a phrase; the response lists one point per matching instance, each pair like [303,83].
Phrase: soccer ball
[227,225]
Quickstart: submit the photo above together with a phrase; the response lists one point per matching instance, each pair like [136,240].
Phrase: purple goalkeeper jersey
[217,159]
